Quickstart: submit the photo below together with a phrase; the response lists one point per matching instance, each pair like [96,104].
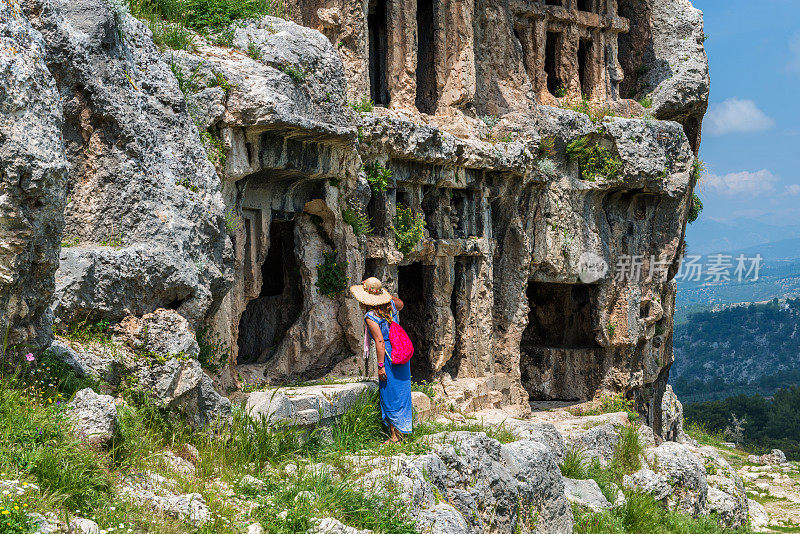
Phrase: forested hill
[751,348]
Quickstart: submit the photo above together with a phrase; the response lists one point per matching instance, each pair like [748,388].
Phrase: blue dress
[395,391]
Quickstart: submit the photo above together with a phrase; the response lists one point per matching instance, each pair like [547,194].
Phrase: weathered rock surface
[307,405]
[182,385]
[94,416]
[497,297]
[144,240]
[80,525]
[33,170]
[672,418]
[758,515]
[94,360]
[488,486]
[648,481]
[164,333]
[160,493]
[687,475]
[334,526]
[586,493]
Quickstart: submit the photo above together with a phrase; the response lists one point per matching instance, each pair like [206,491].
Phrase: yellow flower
[6,512]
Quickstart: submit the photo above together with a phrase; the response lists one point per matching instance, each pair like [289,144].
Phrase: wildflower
[29,357]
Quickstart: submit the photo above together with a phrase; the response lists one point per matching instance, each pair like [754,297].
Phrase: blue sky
[751,134]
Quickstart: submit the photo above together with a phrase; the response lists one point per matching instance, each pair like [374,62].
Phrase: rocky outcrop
[33,170]
[145,216]
[472,483]
[234,189]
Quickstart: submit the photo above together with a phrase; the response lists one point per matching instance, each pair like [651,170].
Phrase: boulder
[33,172]
[587,494]
[672,417]
[330,525]
[95,361]
[687,476]
[775,457]
[79,525]
[160,493]
[191,507]
[759,519]
[183,386]
[648,481]
[307,405]
[163,333]
[94,416]
[678,67]
[469,479]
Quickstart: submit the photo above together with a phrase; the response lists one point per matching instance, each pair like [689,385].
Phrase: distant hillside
[779,277]
[707,236]
[740,349]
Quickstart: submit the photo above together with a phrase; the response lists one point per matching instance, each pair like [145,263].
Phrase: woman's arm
[380,346]
[398,303]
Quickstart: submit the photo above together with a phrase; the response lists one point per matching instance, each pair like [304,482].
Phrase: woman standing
[395,379]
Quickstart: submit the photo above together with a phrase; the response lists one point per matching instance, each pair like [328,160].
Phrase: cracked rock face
[33,171]
[145,212]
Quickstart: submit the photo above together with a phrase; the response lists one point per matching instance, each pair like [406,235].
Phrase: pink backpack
[402,348]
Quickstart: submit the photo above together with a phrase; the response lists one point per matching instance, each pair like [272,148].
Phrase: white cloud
[737,116]
[793,189]
[794,55]
[737,183]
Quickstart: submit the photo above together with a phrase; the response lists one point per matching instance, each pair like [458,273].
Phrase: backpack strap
[395,313]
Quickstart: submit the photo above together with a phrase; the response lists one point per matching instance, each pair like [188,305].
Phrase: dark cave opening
[553,2]
[412,288]
[269,316]
[427,91]
[560,316]
[551,61]
[691,127]
[585,66]
[377,28]
[559,342]
[585,5]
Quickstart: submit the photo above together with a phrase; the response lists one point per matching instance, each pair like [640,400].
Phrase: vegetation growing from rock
[378,176]
[170,20]
[408,229]
[594,160]
[331,277]
[357,218]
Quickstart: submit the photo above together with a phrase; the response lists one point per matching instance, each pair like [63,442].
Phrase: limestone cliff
[527,191]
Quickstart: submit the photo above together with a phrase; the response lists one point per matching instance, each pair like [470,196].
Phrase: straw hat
[371,293]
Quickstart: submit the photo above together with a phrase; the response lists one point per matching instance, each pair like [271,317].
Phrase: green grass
[328,497]
[703,435]
[408,229]
[612,404]
[205,15]
[641,514]
[86,330]
[357,218]
[37,444]
[425,387]
[362,105]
